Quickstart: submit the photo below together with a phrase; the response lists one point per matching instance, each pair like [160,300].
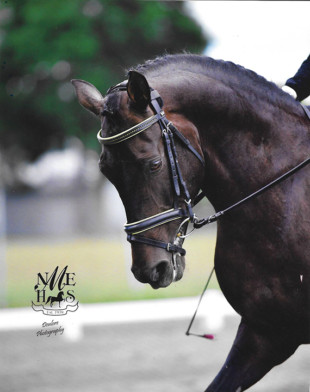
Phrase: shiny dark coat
[249,133]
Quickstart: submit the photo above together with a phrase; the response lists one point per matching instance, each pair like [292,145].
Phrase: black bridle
[181,193]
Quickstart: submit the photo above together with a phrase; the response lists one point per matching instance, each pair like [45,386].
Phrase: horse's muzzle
[162,274]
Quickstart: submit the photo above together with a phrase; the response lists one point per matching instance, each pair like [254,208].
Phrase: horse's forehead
[113,101]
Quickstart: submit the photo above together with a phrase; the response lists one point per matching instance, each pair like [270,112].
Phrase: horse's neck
[247,141]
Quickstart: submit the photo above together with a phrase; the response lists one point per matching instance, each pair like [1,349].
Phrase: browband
[131,132]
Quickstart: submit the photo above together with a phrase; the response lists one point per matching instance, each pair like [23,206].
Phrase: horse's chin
[173,274]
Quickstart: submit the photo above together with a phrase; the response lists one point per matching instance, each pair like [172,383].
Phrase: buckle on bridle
[165,127]
[168,126]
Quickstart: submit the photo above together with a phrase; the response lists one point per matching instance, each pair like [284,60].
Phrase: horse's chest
[258,289]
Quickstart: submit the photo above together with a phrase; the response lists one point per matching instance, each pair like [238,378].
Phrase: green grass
[101,271]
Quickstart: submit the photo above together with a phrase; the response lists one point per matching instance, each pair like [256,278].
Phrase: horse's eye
[155,165]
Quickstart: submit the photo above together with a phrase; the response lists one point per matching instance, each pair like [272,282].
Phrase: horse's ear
[138,89]
[88,95]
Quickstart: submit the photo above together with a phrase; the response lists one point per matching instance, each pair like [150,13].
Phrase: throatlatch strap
[180,177]
[174,173]
[185,141]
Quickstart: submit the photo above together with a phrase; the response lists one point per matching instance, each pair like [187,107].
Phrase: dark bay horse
[238,132]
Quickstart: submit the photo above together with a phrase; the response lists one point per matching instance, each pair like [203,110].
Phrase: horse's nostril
[158,271]
[157,276]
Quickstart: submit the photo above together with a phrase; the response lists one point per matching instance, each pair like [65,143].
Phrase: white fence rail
[212,312]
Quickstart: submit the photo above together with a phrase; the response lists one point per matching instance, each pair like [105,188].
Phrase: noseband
[169,132]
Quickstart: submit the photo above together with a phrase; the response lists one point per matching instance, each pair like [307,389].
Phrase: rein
[213,218]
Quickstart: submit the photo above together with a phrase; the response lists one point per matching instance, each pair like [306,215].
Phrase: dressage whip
[206,336]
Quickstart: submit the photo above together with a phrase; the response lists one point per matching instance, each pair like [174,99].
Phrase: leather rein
[169,133]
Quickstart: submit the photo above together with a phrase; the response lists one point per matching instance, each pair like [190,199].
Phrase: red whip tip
[207,336]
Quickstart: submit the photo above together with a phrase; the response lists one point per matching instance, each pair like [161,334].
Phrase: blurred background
[55,203]
[55,206]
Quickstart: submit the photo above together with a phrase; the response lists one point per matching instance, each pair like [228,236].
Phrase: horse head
[155,176]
